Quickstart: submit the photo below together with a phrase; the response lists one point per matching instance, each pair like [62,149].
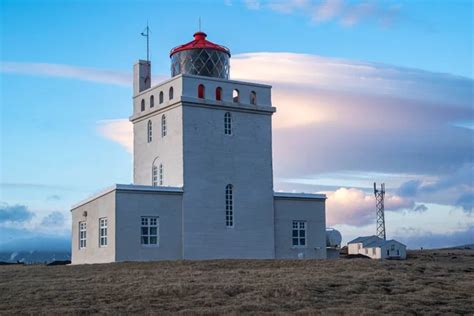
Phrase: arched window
[161,97]
[161,174]
[143,105]
[201,91]
[218,94]
[152,101]
[149,131]
[171,92]
[163,125]
[154,174]
[228,123]
[236,95]
[253,98]
[229,206]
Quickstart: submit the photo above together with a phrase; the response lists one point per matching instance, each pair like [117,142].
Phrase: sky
[365,91]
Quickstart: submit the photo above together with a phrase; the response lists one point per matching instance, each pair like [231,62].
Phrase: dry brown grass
[429,282]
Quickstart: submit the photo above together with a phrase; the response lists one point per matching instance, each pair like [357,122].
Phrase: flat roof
[291,195]
[128,187]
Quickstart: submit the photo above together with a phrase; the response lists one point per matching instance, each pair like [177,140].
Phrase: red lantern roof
[199,42]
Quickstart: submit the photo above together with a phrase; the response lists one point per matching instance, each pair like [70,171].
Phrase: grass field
[430,281]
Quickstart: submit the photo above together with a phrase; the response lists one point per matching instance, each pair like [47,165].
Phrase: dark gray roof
[372,241]
[362,239]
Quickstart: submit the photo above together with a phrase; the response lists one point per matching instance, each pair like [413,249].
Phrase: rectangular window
[82,235]
[299,234]
[227,123]
[150,231]
[155,176]
[103,232]
[229,206]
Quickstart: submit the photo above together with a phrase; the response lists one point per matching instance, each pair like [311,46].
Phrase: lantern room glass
[201,62]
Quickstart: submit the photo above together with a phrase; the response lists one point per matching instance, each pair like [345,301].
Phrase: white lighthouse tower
[202,170]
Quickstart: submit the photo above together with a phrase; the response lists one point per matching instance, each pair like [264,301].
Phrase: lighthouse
[202,173]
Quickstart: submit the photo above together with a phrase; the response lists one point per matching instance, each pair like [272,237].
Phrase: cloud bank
[345,13]
[338,115]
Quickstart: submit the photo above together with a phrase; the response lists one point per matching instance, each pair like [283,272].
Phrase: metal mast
[146,33]
[380,210]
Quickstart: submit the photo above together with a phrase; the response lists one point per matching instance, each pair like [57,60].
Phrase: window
[398,252]
[236,95]
[152,101]
[171,92]
[388,252]
[149,131]
[253,98]
[103,232]
[161,97]
[154,176]
[218,94]
[143,105]
[299,234]
[82,235]
[149,231]
[228,123]
[201,91]
[229,206]
[161,174]
[163,125]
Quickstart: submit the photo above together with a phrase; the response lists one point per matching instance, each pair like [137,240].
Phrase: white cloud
[252,4]
[344,12]
[67,71]
[119,131]
[355,207]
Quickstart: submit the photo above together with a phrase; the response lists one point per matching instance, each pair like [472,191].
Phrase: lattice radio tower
[379,206]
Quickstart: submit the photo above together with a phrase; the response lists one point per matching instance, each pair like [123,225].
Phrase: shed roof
[373,241]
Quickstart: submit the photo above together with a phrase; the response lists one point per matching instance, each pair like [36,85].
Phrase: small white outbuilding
[377,248]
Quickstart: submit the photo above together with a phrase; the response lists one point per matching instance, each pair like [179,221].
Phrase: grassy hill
[430,281]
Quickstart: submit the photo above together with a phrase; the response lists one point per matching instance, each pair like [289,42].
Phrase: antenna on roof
[199,24]
[380,210]
[146,33]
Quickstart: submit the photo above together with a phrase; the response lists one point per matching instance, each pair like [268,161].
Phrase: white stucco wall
[167,150]
[131,206]
[310,210]
[102,206]
[211,161]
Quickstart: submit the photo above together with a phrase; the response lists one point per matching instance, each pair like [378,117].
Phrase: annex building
[202,174]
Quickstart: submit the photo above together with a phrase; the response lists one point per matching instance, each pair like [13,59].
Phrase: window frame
[161,174]
[147,222]
[218,94]
[149,131]
[236,98]
[161,97]
[142,105]
[229,206]
[163,125]
[103,232]
[228,123]
[201,91]
[253,97]
[154,175]
[170,93]
[152,101]
[301,226]
[82,235]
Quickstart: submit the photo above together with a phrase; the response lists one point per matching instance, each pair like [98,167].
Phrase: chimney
[141,76]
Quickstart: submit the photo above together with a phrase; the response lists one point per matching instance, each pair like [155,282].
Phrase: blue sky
[369,90]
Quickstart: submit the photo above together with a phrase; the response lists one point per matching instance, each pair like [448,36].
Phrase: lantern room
[200,57]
